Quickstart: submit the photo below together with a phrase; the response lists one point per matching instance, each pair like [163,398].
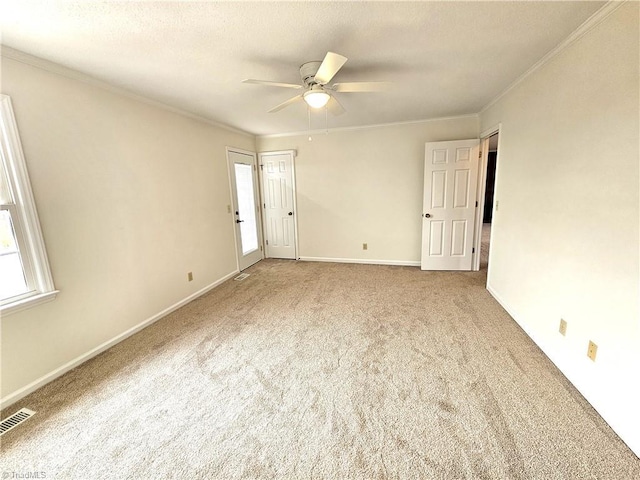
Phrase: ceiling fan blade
[272,84]
[329,67]
[361,87]
[335,107]
[286,104]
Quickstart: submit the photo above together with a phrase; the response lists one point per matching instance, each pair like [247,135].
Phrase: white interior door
[278,190]
[242,172]
[450,182]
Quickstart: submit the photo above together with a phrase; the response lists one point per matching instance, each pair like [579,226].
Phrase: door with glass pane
[242,170]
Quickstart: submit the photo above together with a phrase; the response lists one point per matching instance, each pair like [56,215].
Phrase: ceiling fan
[315,83]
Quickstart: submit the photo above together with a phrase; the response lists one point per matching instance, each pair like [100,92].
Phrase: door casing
[482,184]
[262,157]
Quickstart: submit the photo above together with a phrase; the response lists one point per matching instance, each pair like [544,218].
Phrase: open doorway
[489,189]
[486,201]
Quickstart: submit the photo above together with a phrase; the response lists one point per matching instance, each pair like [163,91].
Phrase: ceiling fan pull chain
[309,117]
[326,120]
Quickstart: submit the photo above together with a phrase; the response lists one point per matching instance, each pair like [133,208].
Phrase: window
[25,277]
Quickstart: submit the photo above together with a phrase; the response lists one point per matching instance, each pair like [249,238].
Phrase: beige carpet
[322,371]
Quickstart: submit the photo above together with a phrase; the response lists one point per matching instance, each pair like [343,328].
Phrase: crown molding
[19,56]
[366,127]
[52,67]
[56,68]
[593,21]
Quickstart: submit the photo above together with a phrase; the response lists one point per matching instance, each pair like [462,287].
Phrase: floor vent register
[15,420]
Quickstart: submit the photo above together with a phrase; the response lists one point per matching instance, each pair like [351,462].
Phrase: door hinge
[476,204]
[480,154]
[473,250]
[260,247]
[267,242]
[254,168]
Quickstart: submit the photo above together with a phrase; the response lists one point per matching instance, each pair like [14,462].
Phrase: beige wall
[364,186]
[131,197]
[565,241]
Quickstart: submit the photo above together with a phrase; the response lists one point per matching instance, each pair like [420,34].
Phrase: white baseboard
[516,318]
[365,261]
[620,427]
[499,299]
[58,372]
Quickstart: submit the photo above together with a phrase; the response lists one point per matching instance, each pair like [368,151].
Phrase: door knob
[290,213]
[239,221]
[427,215]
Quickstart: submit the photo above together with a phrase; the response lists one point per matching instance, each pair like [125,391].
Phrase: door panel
[436,238]
[458,237]
[450,178]
[242,171]
[438,189]
[279,204]
[461,189]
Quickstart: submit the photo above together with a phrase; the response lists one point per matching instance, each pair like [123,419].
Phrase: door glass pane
[246,208]
[12,279]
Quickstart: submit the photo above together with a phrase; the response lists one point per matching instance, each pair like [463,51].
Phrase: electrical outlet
[592,350]
[190,276]
[365,246]
[563,326]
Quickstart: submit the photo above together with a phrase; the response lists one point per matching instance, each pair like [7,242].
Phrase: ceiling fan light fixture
[317,92]
[316,98]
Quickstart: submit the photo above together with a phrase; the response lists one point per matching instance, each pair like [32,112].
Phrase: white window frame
[22,207]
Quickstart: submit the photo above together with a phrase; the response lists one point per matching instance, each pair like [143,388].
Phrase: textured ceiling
[444,58]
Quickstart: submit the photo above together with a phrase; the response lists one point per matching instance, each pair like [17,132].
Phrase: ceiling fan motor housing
[308,72]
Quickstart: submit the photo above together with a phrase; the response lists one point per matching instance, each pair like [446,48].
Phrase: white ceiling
[444,58]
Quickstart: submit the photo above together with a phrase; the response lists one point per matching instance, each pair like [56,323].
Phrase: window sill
[28,302]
